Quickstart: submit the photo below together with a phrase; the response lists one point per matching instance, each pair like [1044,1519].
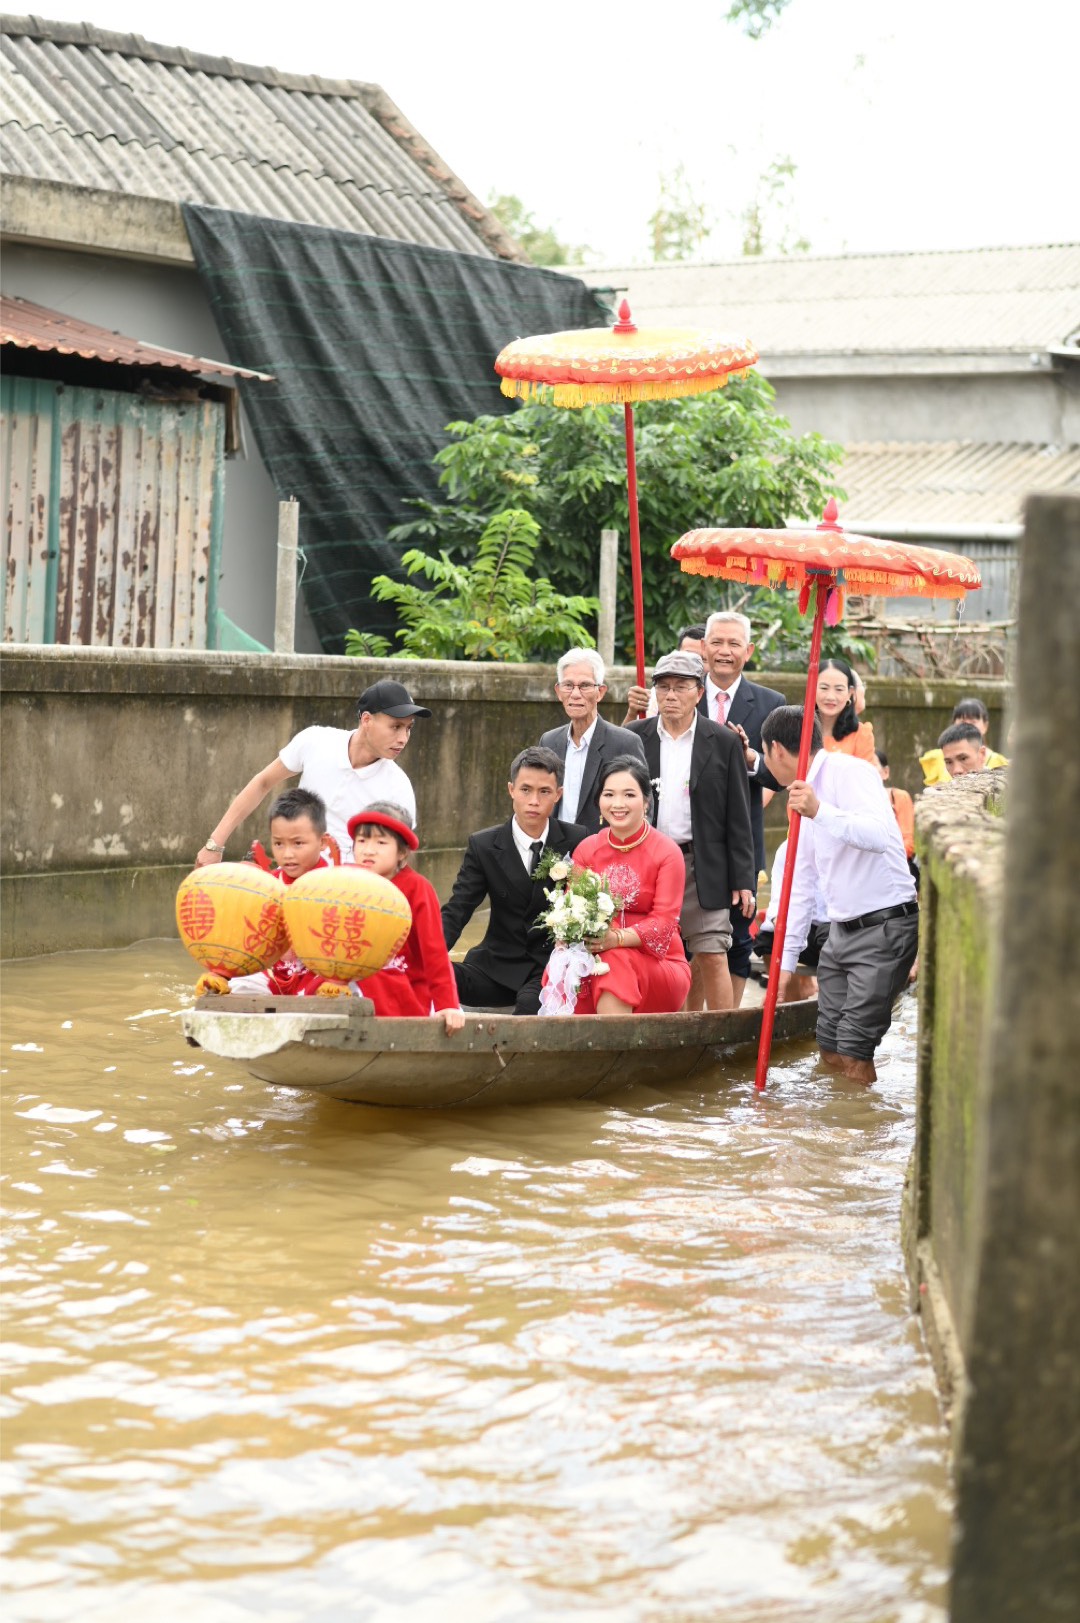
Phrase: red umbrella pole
[635,546]
[768,1012]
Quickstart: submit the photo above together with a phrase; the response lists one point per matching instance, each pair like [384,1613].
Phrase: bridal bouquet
[581,908]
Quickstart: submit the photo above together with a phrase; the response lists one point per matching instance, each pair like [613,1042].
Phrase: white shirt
[776,880]
[852,848]
[673,810]
[321,756]
[524,842]
[712,693]
[574,770]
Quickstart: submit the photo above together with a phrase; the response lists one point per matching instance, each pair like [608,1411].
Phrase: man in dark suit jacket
[704,806]
[508,965]
[744,706]
[588,742]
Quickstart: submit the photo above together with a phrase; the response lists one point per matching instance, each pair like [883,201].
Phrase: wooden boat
[340,1048]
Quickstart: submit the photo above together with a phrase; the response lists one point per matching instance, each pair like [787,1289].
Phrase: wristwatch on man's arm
[212,845]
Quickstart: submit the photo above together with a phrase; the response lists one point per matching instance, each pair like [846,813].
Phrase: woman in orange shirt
[841,728]
[902,804]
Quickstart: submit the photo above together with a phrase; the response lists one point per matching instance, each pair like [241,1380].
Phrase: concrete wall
[1035,406]
[992,1213]
[961,838]
[117,763]
[1017,1546]
[165,305]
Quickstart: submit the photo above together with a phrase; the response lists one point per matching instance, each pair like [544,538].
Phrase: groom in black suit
[508,965]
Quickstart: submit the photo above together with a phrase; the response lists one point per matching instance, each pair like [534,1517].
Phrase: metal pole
[605,622]
[288,537]
[768,1012]
[635,546]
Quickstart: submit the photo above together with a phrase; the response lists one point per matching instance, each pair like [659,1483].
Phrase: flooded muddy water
[268,1355]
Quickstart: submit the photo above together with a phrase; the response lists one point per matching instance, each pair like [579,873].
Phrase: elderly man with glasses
[589,741]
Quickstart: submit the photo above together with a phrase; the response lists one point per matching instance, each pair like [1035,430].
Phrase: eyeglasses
[688,686]
[584,688]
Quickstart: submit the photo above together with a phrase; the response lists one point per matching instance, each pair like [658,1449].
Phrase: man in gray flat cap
[703,804]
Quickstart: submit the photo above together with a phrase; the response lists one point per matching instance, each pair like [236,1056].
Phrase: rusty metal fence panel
[113,516]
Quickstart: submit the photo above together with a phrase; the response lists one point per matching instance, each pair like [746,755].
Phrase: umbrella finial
[625,322]
[828,518]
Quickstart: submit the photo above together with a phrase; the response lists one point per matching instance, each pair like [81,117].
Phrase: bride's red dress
[651,877]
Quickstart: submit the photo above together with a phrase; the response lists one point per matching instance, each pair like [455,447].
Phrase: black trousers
[477,989]
[741,942]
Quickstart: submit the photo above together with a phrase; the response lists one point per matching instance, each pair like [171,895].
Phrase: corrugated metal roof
[950,482]
[32,326]
[111,112]
[981,300]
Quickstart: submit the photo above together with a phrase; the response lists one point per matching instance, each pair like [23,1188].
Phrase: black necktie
[536,847]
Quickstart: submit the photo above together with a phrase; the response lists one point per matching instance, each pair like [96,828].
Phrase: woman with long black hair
[841,728]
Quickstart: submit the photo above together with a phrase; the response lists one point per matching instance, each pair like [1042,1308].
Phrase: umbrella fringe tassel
[603,394]
[869,582]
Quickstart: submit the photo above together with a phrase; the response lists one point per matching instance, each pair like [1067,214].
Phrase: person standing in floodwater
[850,844]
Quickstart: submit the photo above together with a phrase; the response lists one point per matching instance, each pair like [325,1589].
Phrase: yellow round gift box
[230,918]
[347,922]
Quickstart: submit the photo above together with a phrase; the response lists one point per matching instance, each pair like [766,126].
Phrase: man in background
[963,750]
[733,700]
[588,742]
[703,805]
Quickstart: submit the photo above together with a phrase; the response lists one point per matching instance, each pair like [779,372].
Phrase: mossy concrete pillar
[1017,1551]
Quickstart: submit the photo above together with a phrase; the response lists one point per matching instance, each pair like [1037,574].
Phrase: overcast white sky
[913,124]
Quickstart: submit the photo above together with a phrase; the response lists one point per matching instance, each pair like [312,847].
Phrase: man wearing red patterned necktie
[732,700]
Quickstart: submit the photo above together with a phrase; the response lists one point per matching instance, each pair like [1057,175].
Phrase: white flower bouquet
[581,909]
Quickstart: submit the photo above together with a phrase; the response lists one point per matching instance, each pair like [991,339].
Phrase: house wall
[164,305]
[1036,407]
[112,515]
[147,748]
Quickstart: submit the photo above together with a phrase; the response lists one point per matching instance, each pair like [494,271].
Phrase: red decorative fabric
[655,977]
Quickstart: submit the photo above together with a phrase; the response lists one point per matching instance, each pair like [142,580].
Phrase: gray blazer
[606,743]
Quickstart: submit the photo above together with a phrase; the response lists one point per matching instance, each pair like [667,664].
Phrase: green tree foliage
[766,223]
[756,17]
[539,241]
[680,224]
[494,608]
[715,459]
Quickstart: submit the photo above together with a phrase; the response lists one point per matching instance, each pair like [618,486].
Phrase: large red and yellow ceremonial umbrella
[599,365]
[821,563]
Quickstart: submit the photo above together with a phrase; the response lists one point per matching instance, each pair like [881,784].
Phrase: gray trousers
[860,974]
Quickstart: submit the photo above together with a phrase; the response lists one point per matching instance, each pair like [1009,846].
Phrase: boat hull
[341,1049]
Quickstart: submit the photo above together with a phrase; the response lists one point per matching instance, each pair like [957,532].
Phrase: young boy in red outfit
[297,836]
[419,979]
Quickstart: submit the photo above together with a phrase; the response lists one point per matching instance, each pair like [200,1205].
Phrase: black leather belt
[902,910]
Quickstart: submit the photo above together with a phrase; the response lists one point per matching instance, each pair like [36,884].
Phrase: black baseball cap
[389,699]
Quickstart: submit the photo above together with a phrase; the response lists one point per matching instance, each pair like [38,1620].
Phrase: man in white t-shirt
[347,770]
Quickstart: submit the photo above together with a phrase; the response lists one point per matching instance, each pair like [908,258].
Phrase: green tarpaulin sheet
[375,346]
